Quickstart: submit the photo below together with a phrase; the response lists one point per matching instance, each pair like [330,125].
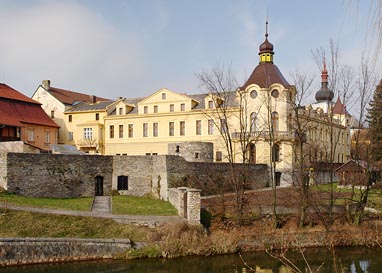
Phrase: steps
[101,204]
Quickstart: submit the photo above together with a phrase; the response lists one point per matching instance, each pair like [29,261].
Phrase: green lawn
[141,206]
[81,204]
[29,224]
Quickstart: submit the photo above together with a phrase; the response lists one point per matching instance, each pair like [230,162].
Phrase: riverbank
[179,239]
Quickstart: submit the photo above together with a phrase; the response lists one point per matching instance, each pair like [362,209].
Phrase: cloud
[66,43]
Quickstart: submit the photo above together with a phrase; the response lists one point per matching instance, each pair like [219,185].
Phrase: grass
[80,204]
[136,205]
[29,224]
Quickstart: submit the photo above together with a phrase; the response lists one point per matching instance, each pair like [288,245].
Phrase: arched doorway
[99,185]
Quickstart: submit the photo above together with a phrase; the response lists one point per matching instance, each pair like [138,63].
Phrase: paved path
[101,204]
[142,220]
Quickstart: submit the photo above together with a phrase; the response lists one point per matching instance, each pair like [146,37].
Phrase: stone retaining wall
[187,202]
[18,251]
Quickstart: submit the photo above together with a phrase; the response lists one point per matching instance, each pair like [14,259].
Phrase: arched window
[275,121]
[275,153]
[253,122]
[252,153]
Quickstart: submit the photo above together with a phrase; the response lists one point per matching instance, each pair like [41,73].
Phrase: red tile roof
[10,93]
[16,109]
[69,97]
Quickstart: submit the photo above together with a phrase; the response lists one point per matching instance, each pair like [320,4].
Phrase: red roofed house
[22,119]
[56,101]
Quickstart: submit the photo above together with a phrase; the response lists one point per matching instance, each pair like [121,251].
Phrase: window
[47,136]
[145,109]
[70,118]
[88,133]
[182,107]
[210,104]
[275,121]
[120,111]
[210,126]
[123,184]
[145,129]
[97,116]
[120,131]
[275,153]
[155,108]
[198,127]
[182,130]
[219,156]
[253,94]
[111,131]
[70,135]
[171,128]
[31,134]
[163,96]
[223,125]
[196,155]
[171,107]
[275,93]
[252,153]
[52,114]
[130,130]
[155,129]
[253,122]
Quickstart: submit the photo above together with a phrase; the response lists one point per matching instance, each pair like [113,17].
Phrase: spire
[266,48]
[324,94]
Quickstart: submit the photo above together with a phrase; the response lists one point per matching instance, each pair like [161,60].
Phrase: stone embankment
[17,251]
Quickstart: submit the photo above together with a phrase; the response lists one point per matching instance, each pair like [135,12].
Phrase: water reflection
[356,260]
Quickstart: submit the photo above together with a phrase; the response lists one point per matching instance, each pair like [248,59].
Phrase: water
[354,260]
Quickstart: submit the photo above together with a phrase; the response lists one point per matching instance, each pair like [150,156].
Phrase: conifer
[374,119]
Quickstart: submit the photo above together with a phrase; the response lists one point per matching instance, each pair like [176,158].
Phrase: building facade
[24,126]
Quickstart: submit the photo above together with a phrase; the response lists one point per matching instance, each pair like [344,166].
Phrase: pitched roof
[69,97]
[339,108]
[8,92]
[264,75]
[16,109]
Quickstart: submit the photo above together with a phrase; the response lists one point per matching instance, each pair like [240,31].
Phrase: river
[354,260]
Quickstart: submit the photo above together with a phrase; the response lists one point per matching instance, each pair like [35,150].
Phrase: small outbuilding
[355,173]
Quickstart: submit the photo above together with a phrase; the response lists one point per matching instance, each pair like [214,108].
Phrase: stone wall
[187,202]
[212,178]
[63,176]
[17,251]
[193,151]
[58,176]
[3,170]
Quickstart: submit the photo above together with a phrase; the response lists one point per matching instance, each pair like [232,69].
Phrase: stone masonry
[19,251]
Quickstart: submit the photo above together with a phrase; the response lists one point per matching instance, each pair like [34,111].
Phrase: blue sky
[133,48]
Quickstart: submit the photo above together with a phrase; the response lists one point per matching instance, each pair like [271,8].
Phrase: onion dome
[266,72]
[324,94]
[266,48]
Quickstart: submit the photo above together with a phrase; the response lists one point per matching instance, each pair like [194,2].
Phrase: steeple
[266,48]
[324,94]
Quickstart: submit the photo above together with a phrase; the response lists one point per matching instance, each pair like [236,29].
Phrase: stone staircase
[101,204]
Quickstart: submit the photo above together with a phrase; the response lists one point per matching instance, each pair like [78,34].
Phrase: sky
[133,48]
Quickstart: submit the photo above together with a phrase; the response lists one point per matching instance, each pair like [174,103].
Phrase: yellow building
[260,120]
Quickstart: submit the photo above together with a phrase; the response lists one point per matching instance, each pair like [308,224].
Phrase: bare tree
[231,117]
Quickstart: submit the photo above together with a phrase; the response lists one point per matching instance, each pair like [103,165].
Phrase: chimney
[46,84]
[93,99]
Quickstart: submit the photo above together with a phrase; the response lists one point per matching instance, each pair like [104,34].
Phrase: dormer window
[120,111]
[210,104]
[275,93]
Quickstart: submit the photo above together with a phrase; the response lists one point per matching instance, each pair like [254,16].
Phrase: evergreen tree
[374,119]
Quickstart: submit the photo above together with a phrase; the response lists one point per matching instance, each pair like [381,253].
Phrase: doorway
[99,186]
